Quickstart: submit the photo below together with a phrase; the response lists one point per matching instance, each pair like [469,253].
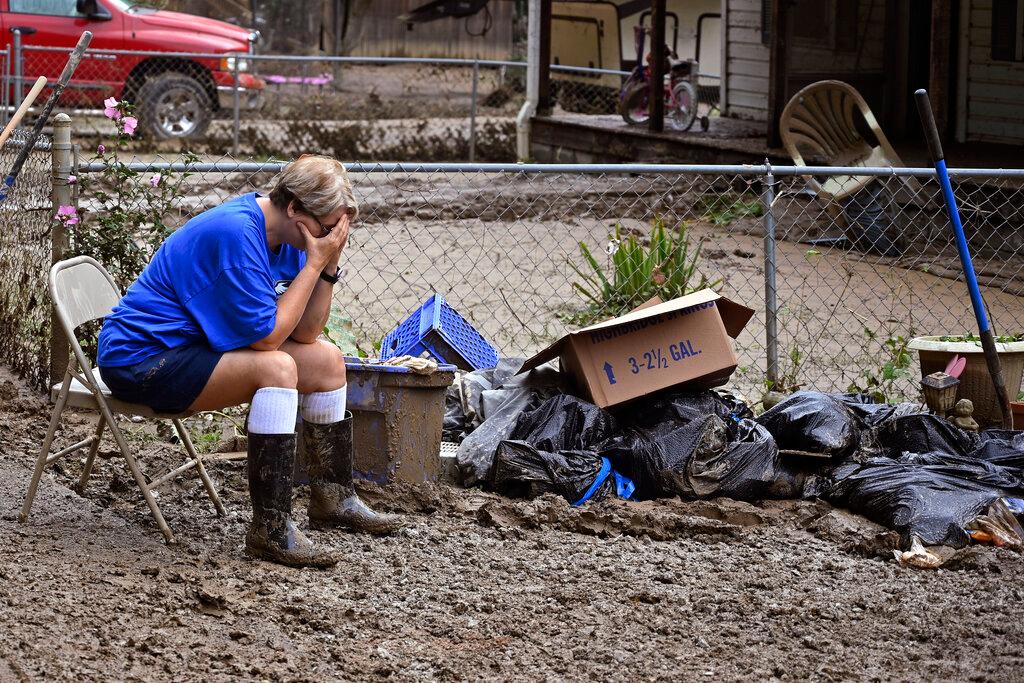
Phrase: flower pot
[1017,408]
[975,382]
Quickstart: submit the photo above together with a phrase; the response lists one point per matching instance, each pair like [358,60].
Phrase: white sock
[272,411]
[324,407]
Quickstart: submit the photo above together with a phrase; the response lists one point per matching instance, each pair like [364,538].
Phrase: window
[1007,30]
[53,8]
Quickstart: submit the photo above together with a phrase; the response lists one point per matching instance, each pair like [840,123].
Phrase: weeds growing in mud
[880,381]
[667,267]
[723,209]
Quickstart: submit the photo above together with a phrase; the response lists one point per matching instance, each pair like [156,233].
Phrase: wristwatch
[333,279]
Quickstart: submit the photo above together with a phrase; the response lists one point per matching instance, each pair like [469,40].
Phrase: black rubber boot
[273,535]
[332,497]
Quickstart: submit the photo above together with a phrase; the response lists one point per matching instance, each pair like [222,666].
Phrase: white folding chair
[82,290]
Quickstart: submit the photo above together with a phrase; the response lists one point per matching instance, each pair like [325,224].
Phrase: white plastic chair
[820,120]
[82,291]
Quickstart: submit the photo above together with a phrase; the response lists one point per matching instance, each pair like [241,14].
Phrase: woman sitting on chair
[229,311]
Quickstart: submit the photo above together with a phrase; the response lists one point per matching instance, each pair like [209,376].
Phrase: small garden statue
[962,415]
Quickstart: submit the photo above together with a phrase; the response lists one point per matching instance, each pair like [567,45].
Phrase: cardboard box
[683,341]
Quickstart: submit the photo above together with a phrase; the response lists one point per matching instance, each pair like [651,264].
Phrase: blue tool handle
[988,342]
[961,246]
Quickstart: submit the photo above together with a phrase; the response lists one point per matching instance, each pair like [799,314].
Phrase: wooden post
[942,39]
[657,99]
[62,155]
[544,103]
[778,69]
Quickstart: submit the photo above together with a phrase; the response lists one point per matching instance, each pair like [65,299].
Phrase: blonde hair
[318,185]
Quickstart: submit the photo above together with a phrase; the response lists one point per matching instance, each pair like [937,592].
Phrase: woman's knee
[333,364]
[276,369]
[326,369]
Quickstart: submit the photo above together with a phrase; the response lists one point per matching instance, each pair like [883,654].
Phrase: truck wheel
[174,106]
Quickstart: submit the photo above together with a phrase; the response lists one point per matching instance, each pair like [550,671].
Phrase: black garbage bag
[564,423]
[747,469]
[933,502]
[702,460]
[1009,479]
[1001,447]
[493,410]
[871,413]
[522,471]
[813,422]
[656,460]
[924,434]
[669,411]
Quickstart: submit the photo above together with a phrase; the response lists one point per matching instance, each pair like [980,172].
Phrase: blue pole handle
[961,246]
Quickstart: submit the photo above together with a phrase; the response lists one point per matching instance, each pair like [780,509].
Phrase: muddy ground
[477,587]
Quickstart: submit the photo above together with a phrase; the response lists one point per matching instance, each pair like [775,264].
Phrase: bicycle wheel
[633,104]
[684,111]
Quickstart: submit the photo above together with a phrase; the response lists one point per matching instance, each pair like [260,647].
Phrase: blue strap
[624,486]
[606,468]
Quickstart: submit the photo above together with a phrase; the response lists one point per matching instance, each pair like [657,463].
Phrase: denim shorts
[167,382]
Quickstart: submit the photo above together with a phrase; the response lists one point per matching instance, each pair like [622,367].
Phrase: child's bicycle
[681,98]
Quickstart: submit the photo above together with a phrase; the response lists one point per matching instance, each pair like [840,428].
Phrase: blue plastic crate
[438,329]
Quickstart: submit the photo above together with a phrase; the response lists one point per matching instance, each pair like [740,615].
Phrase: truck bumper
[248,98]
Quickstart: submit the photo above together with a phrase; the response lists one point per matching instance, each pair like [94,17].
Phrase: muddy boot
[273,535]
[332,497]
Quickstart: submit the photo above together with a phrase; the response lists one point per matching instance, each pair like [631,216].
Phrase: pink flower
[130,123]
[100,149]
[72,179]
[155,180]
[67,215]
[110,109]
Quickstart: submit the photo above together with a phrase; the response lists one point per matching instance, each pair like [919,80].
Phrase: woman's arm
[318,309]
[290,308]
[293,305]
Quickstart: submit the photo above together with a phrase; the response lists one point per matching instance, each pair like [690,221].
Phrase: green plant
[975,339]
[339,332]
[880,380]
[723,209]
[667,267]
[130,213]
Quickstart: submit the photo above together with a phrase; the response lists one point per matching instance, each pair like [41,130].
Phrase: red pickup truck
[176,96]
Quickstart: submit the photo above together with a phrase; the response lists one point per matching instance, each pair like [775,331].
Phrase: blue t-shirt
[214,280]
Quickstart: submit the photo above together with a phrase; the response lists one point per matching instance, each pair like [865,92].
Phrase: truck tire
[173,106]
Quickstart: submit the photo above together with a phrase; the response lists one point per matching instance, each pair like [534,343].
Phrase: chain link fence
[26,225]
[526,252]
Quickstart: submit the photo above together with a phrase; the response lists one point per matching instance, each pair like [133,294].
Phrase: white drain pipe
[529,107]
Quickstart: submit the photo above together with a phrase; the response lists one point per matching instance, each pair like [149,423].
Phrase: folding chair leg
[207,482]
[87,469]
[44,451]
[136,472]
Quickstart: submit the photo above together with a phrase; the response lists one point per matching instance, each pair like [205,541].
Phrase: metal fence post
[771,306]
[472,111]
[62,163]
[237,113]
[18,67]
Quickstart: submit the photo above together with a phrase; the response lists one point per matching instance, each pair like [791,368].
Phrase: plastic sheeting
[491,403]
[934,502]
[522,471]
[813,422]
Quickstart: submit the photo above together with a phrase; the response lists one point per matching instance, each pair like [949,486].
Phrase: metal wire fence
[26,222]
[839,286]
[348,107]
